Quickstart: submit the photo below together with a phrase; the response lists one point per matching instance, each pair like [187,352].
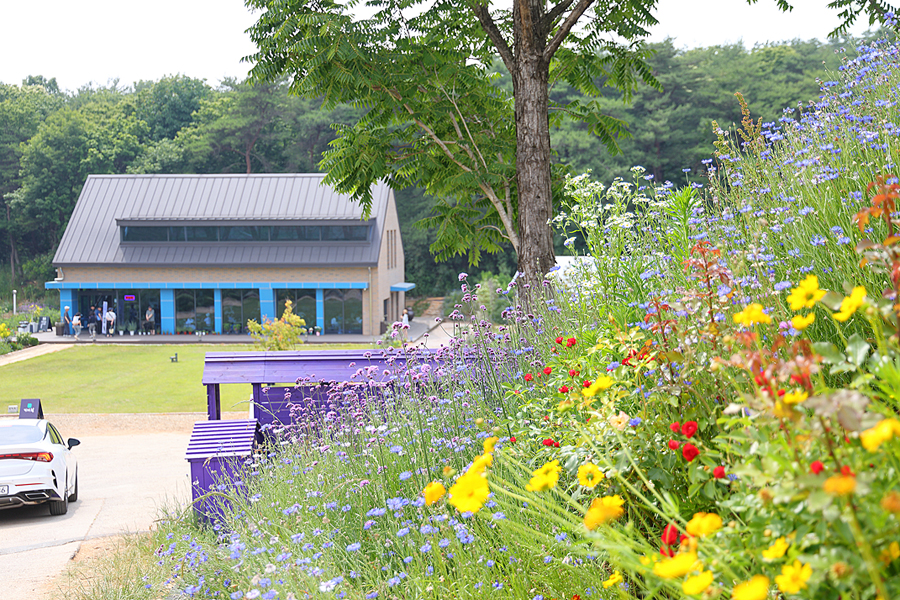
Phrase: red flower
[846,471]
[556,444]
[670,534]
[719,472]
[689,429]
[666,551]
[570,342]
[559,340]
[690,452]
[817,467]
[529,377]
[586,384]
[547,370]
[573,373]
[563,389]
[512,440]
[674,445]
[548,442]
[675,427]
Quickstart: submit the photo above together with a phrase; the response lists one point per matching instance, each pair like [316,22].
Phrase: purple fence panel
[216,451]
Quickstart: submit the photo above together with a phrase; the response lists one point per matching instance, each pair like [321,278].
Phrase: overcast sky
[98,40]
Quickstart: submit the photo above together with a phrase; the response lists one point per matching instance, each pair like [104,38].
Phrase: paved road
[123,480]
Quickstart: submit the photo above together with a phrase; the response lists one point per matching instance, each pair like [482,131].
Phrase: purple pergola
[264,371]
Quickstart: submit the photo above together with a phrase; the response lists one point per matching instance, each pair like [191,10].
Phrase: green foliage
[168,105]
[285,333]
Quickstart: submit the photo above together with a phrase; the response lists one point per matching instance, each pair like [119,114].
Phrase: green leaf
[857,349]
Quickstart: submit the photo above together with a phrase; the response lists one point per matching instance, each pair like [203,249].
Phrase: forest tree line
[51,140]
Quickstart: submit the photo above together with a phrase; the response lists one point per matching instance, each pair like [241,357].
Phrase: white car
[36,465]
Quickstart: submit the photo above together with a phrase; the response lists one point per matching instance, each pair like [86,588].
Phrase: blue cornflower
[396,449]
[817,240]
[405,475]
[354,547]
[635,422]
[426,547]
[444,543]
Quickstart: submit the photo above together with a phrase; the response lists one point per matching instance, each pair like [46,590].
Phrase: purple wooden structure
[216,451]
[264,370]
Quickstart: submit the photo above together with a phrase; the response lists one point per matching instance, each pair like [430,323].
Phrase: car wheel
[60,507]
[74,496]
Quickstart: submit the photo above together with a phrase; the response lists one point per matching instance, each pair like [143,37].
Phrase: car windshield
[20,434]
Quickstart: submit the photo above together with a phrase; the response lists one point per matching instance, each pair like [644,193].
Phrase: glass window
[149,298]
[185,311]
[144,234]
[305,307]
[20,434]
[341,233]
[202,234]
[232,321]
[176,234]
[244,233]
[250,306]
[206,310]
[334,311]
[285,233]
[309,233]
[353,311]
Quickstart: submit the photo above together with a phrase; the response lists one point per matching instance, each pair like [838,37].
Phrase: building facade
[209,252]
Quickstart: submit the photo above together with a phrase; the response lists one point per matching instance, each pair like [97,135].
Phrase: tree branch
[493,32]
[565,28]
[554,14]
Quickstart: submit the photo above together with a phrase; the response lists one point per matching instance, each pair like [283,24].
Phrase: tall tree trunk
[530,81]
[13,255]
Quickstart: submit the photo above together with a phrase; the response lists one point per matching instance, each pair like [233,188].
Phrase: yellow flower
[449,471]
[891,502]
[794,397]
[677,566]
[613,580]
[697,584]
[890,554]
[806,294]
[589,475]
[793,578]
[600,384]
[545,478]
[757,588]
[482,462]
[840,485]
[776,550]
[704,524]
[801,322]
[433,492]
[752,315]
[603,510]
[470,492]
[873,438]
[851,303]
[489,444]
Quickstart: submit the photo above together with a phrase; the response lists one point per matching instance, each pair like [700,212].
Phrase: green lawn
[123,379]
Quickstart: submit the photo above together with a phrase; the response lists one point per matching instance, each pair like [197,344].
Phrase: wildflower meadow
[706,406]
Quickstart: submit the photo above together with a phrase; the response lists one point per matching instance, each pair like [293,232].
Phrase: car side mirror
[73,442]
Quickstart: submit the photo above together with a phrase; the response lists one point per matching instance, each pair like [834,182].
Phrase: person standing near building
[98,317]
[77,325]
[67,323]
[150,320]
[110,318]
[404,330]
[92,322]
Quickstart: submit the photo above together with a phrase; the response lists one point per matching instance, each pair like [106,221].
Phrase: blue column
[67,298]
[167,311]
[267,304]
[217,299]
[320,309]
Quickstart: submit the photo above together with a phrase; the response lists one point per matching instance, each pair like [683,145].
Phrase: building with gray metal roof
[209,252]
